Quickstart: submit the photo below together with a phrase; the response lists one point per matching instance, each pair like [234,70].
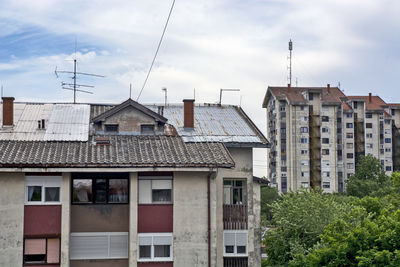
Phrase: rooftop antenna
[290,61]
[194,93]
[165,96]
[221,90]
[1,91]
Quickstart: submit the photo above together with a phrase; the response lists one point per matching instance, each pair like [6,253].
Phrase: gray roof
[212,123]
[123,151]
[66,122]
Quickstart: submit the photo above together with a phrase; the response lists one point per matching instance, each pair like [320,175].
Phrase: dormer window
[111,128]
[147,129]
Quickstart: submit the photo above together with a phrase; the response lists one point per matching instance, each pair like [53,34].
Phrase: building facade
[128,185]
[317,135]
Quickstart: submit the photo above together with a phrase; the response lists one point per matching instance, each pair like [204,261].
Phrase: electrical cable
[158,48]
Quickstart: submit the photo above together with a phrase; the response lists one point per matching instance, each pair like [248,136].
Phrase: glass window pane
[161,195]
[118,191]
[229,249]
[34,193]
[101,191]
[82,191]
[227,195]
[53,250]
[41,258]
[144,252]
[144,191]
[52,194]
[227,182]
[241,249]
[161,251]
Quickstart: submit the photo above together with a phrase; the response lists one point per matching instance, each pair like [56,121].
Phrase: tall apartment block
[317,135]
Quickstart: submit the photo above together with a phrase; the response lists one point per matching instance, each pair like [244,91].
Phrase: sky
[208,45]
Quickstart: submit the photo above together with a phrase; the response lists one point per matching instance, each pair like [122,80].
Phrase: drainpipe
[209,217]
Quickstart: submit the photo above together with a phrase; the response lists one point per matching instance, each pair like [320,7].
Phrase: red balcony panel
[155,264]
[42,220]
[155,219]
[46,265]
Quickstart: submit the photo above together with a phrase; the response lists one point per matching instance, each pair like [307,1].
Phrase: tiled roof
[123,151]
[346,107]
[295,94]
[394,105]
[375,104]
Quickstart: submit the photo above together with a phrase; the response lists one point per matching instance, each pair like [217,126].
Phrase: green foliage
[300,218]
[268,196]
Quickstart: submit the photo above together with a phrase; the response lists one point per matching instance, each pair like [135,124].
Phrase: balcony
[235,217]
[235,262]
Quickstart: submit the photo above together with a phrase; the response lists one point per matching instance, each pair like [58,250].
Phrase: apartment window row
[155,190]
[325,151]
[349,125]
[304,129]
[42,190]
[41,250]
[155,247]
[234,192]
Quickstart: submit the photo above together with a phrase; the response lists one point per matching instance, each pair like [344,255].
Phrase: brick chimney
[188,113]
[370,98]
[8,111]
[329,88]
[288,87]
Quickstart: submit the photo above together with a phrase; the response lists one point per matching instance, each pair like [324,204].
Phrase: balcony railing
[235,262]
[235,217]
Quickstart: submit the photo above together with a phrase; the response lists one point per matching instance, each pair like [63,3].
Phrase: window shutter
[162,240]
[144,191]
[145,240]
[53,250]
[89,247]
[229,239]
[241,239]
[119,246]
[162,184]
[35,246]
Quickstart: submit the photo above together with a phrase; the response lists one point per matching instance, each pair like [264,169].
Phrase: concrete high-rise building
[317,135]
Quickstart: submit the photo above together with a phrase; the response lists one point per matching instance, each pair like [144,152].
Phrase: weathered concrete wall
[11,218]
[65,218]
[133,215]
[190,219]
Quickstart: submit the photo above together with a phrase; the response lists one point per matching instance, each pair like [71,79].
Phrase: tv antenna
[229,90]
[290,61]
[74,86]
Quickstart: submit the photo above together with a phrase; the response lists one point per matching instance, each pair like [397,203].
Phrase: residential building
[317,135]
[128,185]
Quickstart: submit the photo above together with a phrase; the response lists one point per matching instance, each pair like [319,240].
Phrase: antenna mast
[290,61]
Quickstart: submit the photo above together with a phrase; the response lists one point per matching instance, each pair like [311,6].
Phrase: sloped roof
[295,95]
[376,103]
[67,122]
[129,103]
[123,152]
[394,105]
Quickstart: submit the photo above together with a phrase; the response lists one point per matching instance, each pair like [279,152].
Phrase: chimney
[370,98]
[288,87]
[329,88]
[188,113]
[8,111]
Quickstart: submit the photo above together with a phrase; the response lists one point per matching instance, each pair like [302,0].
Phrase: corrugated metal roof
[64,122]
[214,123]
[123,151]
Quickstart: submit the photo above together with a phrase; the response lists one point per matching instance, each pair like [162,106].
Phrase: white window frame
[235,254]
[152,258]
[43,182]
[155,178]
[100,234]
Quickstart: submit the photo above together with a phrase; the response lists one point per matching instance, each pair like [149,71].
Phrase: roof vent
[42,124]
[102,140]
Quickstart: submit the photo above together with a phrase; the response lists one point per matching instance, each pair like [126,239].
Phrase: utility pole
[290,61]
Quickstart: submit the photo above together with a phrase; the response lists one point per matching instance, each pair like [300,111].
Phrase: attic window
[111,128]
[147,129]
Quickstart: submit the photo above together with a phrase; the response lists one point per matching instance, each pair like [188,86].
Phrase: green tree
[300,218]
[268,196]
[369,179]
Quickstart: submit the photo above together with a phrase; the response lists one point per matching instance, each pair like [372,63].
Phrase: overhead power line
[158,48]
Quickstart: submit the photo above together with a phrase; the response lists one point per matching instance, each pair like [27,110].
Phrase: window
[368,115]
[325,140]
[100,190]
[388,131]
[355,104]
[304,119]
[369,135]
[349,135]
[325,151]
[350,155]
[325,108]
[370,145]
[111,128]
[393,112]
[284,184]
[349,115]
[305,175]
[147,129]
[304,152]
[325,118]
[388,150]
[234,192]
[310,96]
[387,122]
[350,165]
[349,125]
[304,163]
[155,247]
[235,243]
[304,129]
[325,174]
[388,168]
[349,145]
[41,250]
[155,189]
[325,130]
[368,125]
[42,190]
[301,107]
[326,185]
[304,140]
[305,184]
[388,140]
[99,245]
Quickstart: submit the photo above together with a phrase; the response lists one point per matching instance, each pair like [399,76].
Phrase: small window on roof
[111,128]
[147,129]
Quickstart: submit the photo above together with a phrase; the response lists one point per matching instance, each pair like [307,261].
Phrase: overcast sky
[209,44]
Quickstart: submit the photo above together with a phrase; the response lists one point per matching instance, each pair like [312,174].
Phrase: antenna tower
[290,61]
[74,86]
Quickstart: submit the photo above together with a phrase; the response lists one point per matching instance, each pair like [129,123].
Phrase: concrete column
[65,217]
[12,186]
[219,218]
[213,199]
[133,205]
